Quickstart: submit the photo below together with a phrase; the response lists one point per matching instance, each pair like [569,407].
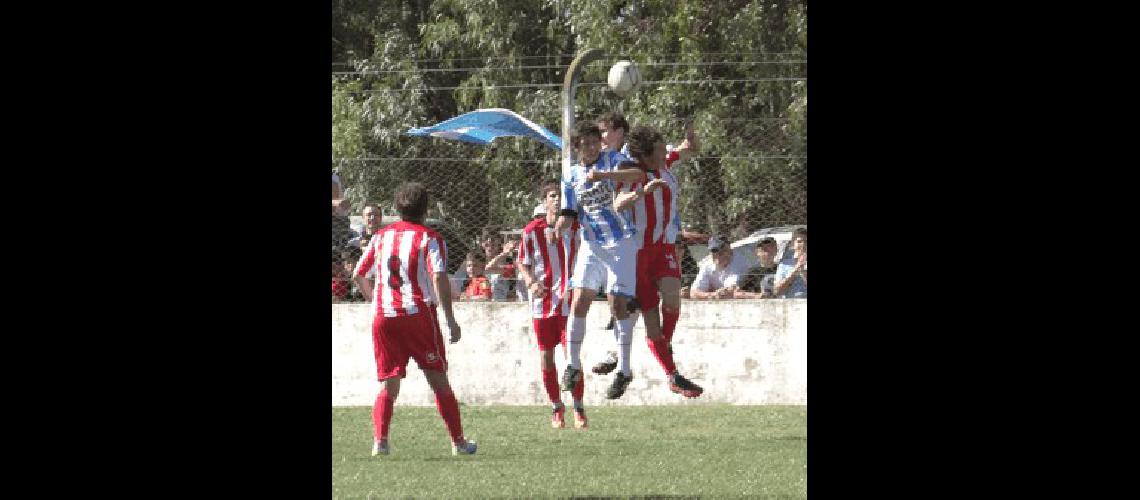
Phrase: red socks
[660,350]
[382,414]
[579,388]
[550,381]
[449,410]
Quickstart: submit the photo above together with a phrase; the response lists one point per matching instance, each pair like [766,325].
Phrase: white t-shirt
[710,278]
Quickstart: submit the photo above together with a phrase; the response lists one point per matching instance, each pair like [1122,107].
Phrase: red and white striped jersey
[655,216]
[551,263]
[404,256]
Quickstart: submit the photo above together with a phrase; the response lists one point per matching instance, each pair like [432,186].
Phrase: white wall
[740,351]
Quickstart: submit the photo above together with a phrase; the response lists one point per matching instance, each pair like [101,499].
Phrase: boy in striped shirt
[654,203]
[607,249]
[543,266]
[410,261]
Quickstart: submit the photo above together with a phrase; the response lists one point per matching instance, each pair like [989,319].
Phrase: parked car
[746,247]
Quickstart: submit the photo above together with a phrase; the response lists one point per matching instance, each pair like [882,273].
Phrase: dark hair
[800,231]
[490,232]
[412,201]
[476,255]
[615,120]
[582,129]
[549,185]
[642,140]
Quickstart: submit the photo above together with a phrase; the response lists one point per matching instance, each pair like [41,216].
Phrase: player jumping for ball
[607,251]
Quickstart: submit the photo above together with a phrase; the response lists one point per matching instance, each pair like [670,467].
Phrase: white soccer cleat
[467,448]
[380,448]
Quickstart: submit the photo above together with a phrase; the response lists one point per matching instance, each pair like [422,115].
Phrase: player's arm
[437,252]
[361,271]
[443,291]
[569,210]
[533,285]
[689,147]
[623,200]
[525,266]
[622,175]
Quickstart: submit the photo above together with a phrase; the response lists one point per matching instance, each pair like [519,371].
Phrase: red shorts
[549,331]
[396,339]
[654,262]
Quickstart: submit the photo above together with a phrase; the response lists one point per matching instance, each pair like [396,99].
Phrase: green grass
[692,450]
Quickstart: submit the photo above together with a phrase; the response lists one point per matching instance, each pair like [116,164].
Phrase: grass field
[694,450]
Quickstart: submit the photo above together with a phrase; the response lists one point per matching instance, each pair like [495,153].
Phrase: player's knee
[670,307]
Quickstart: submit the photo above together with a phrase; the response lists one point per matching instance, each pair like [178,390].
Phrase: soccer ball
[624,78]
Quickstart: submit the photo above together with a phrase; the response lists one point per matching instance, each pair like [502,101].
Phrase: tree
[418,62]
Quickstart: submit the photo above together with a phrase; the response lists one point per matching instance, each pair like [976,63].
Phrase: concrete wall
[740,351]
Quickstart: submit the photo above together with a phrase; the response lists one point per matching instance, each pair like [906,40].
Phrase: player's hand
[559,227]
[453,327]
[691,138]
[654,184]
[537,290]
[593,176]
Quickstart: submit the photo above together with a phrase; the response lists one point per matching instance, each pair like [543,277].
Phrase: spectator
[477,286]
[372,221]
[349,257]
[720,273]
[791,273]
[500,268]
[760,283]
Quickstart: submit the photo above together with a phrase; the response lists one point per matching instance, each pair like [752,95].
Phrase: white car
[746,247]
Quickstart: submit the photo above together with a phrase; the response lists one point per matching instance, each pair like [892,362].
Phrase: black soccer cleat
[684,387]
[607,366]
[570,378]
[617,388]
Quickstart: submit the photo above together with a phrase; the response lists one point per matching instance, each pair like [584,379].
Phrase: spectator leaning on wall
[720,273]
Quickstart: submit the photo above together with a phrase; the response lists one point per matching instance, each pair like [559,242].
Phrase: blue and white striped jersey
[594,202]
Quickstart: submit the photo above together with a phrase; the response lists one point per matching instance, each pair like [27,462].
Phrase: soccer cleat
[607,366]
[380,448]
[570,378]
[580,418]
[467,448]
[684,387]
[617,388]
[558,419]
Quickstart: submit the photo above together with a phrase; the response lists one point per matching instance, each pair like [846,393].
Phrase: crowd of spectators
[489,272]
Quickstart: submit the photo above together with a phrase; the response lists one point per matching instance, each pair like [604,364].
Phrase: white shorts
[615,267]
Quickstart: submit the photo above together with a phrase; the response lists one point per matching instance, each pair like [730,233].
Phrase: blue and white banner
[484,125]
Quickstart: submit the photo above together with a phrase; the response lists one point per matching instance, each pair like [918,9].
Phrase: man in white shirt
[721,273]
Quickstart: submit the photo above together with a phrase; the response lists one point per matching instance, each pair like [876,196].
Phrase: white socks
[576,332]
[624,327]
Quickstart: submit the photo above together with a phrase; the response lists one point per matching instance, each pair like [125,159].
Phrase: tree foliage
[406,58]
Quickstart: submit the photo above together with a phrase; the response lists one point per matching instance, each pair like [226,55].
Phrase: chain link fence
[741,187]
